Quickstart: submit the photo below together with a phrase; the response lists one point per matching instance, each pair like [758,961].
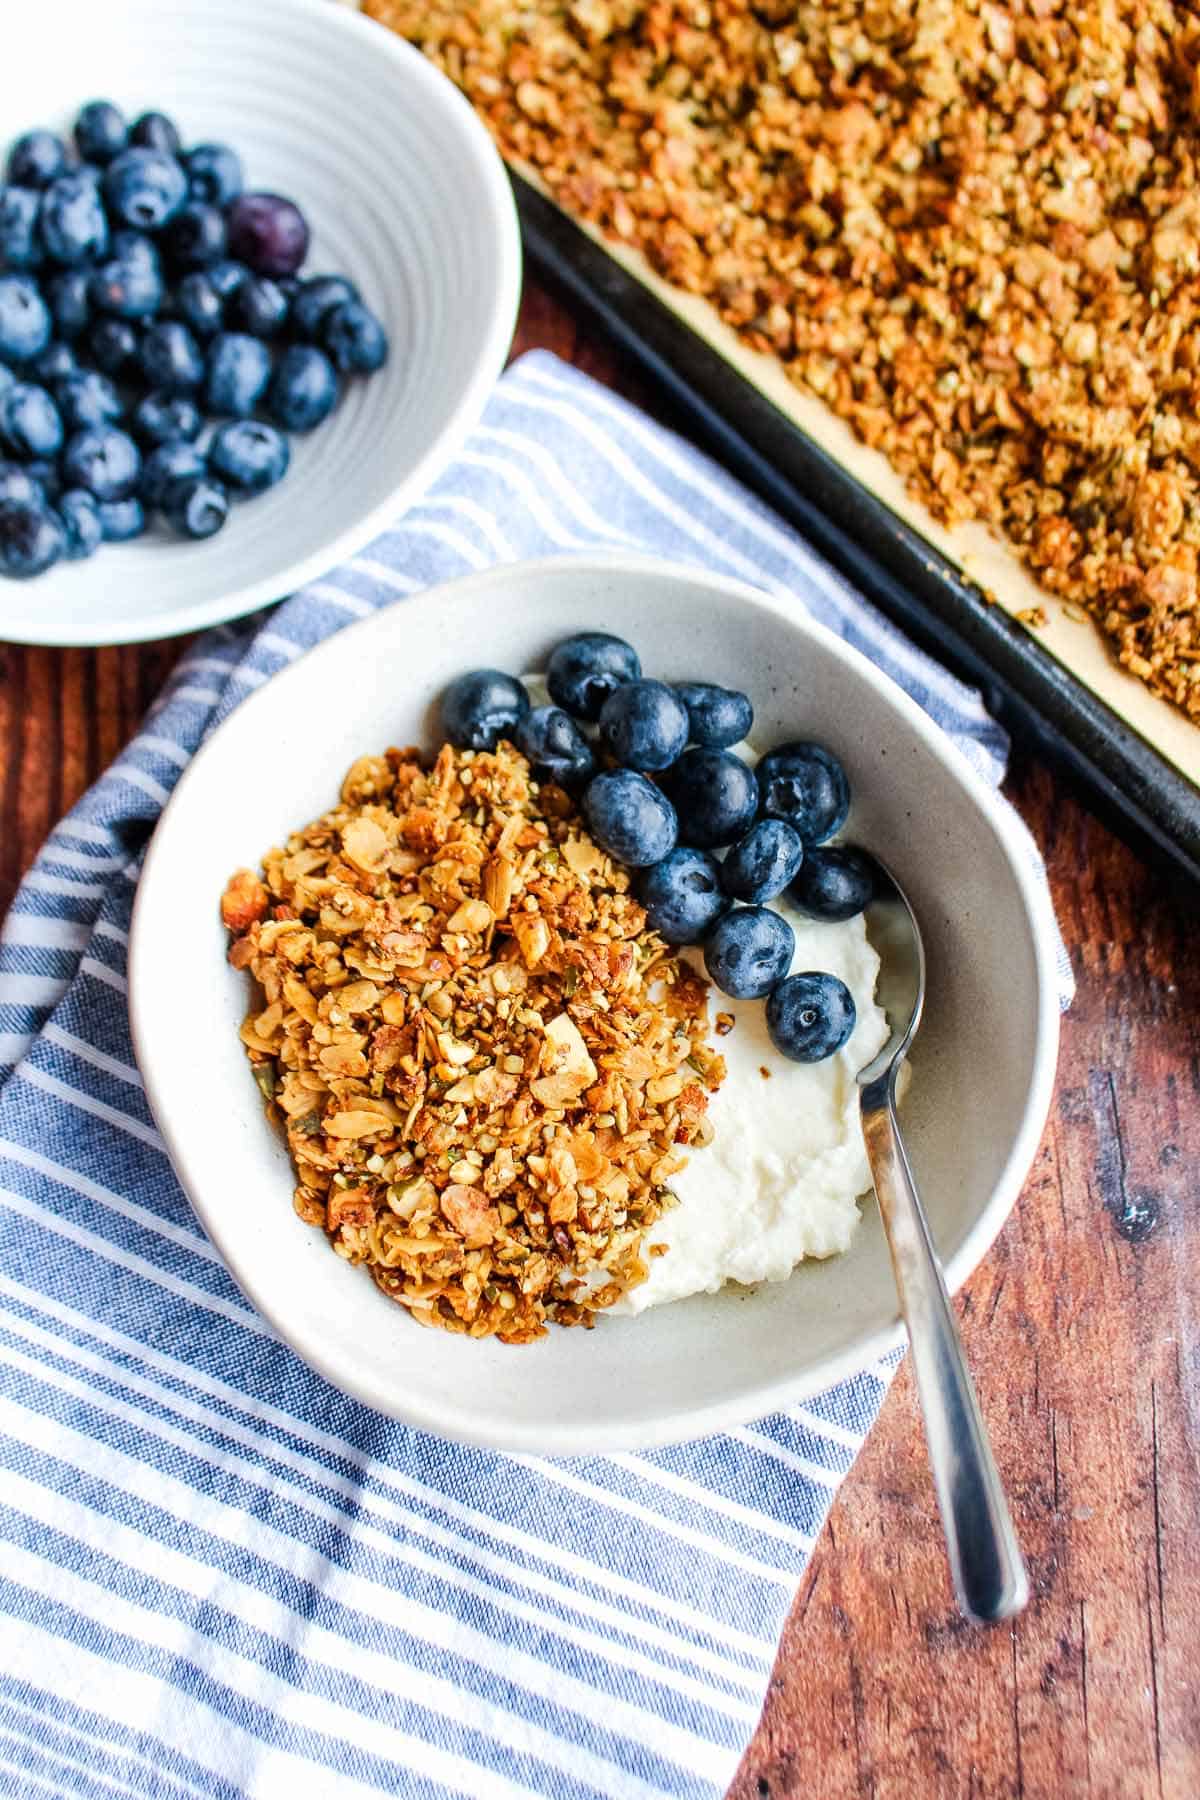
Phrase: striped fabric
[219,1577]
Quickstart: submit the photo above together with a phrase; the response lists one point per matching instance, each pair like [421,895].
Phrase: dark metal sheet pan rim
[1124,777]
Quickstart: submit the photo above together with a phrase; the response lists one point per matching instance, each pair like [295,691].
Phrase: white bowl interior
[983,1062]
[404,193]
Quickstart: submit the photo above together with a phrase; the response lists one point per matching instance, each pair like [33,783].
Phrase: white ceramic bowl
[404,193]
[983,1063]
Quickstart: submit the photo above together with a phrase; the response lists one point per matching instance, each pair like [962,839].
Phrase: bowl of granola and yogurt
[489,1079]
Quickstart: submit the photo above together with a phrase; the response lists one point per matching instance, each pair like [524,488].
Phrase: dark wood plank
[1082,1325]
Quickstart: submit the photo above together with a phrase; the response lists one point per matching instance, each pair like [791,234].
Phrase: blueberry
[682,895]
[154,131]
[112,345]
[171,358]
[100,132]
[810,1016]
[20,242]
[66,295]
[199,305]
[30,424]
[135,247]
[104,461]
[354,339]
[214,174]
[129,288]
[73,223]
[715,796]
[644,725]
[144,188]
[259,306]
[556,748]
[749,952]
[7,377]
[585,669]
[24,319]
[195,506]
[318,296]
[168,463]
[717,716]
[835,882]
[249,457]
[239,368]
[303,390]
[227,276]
[79,516]
[45,471]
[55,361]
[806,785]
[630,818]
[36,159]
[31,538]
[121,520]
[196,235]
[18,483]
[267,233]
[166,419]
[761,864]
[481,707]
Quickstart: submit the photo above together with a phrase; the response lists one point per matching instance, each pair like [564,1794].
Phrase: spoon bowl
[900,988]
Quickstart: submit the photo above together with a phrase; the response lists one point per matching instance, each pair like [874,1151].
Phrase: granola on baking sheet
[487,1067]
[972,228]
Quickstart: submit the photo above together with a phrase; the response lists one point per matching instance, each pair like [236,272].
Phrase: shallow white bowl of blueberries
[884,779]
[259,268]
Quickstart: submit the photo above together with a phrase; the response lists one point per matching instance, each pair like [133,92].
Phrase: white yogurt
[781,1179]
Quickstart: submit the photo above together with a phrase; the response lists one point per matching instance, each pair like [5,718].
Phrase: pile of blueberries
[144,292]
[772,820]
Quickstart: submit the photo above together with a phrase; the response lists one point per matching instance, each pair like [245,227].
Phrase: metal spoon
[985,1557]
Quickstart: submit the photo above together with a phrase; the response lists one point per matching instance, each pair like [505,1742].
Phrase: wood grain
[1082,1328]
[1082,1325]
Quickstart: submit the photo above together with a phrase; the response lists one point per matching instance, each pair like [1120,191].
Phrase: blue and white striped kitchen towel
[219,1577]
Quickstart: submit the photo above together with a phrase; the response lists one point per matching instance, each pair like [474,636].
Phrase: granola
[487,1067]
[972,228]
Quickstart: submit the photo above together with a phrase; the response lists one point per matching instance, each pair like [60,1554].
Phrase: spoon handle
[985,1557]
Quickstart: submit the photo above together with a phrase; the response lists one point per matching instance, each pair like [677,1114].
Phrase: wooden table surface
[1081,1324]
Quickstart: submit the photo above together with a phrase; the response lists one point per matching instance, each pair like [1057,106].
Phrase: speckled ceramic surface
[983,1065]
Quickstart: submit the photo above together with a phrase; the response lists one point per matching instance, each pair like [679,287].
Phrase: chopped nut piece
[471,1213]
[244,901]
[472,915]
[355,1125]
[565,1055]
[365,844]
[499,885]
[533,935]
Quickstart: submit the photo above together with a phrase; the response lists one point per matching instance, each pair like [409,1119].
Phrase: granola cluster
[487,1067]
[971,227]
